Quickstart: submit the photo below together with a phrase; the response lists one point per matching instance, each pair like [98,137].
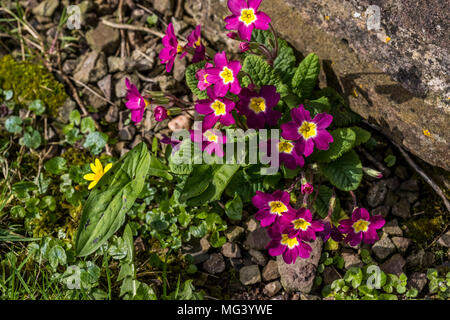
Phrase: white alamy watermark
[374,280]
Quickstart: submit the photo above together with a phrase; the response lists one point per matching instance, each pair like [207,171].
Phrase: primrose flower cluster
[228,103]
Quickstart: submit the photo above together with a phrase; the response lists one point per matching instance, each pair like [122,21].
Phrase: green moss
[424,229]
[77,157]
[30,81]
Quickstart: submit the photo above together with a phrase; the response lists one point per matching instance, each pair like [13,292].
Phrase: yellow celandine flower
[427,132]
[388,39]
[97,174]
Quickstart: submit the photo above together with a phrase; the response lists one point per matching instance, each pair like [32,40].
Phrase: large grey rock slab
[395,76]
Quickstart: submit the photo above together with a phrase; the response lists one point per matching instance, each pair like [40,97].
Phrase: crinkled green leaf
[197,182]
[56,165]
[31,139]
[343,140]
[37,106]
[305,77]
[233,208]
[104,211]
[95,142]
[192,81]
[321,205]
[362,136]
[13,124]
[345,173]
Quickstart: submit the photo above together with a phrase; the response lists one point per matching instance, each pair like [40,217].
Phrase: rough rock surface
[395,76]
[300,275]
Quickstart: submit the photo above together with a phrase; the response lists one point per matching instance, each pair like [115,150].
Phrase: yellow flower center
[361,225]
[301,224]
[179,49]
[227,75]
[210,136]
[308,130]
[277,207]
[198,42]
[290,242]
[205,79]
[248,16]
[285,147]
[258,104]
[219,108]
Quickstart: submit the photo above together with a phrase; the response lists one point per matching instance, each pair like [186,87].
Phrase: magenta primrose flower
[195,41]
[283,244]
[271,206]
[171,48]
[211,140]
[328,231]
[160,113]
[300,224]
[135,102]
[306,188]
[258,106]
[308,132]
[361,227]
[287,153]
[215,109]
[224,75]
[202,77]
[245,17]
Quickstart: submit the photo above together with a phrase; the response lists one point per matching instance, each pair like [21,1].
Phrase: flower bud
[244,46]
[160,113]
[232,35]
[306,188]
[372,173]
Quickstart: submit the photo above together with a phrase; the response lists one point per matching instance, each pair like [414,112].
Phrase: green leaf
[31,139]
[317,106]
[390,160]
[197,182]
[233,208]
[386,296]
[75,117]
[262,74]
[8,94]
[362,136]
[95,142]
[345,173]
[87,125]
[192,81]
[321,205]
[305,77]
[158,169]
[343,140]
[13,124]
[37,106]
[355,276]
[104,211]
[56,165]
[221,177]
[152,20]
[216,240]
[57,256]
[179,167]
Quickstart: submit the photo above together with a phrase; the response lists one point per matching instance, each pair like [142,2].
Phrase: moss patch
[30,81]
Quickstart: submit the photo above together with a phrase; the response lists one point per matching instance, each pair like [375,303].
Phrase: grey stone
[300,275]
[204,244]
[258,257]
[69,65]
[351,259]
[417,280]
[116,64]
[250,275]
[91,68]
[411,197]
[391,199]
[112,115]
[137,139]
[381,210]
[163,6]
[401,243]
[103,38]
[410,185]
[65,110]
[46,8]
[444,240]
[270,271]
[234,233]
[329,275]
[401,172]
[252,224]
[309,297]
[420,259]
[127,133]
[105,86]
[257,239]
[376,194]
[392,183]
[231,250]
[144,61]
[383,248]
[214,264]
[394,75]
[402,209]
[166,83]
[92,99]
[272,288]
[179,69]
[394,265]
[392,228]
